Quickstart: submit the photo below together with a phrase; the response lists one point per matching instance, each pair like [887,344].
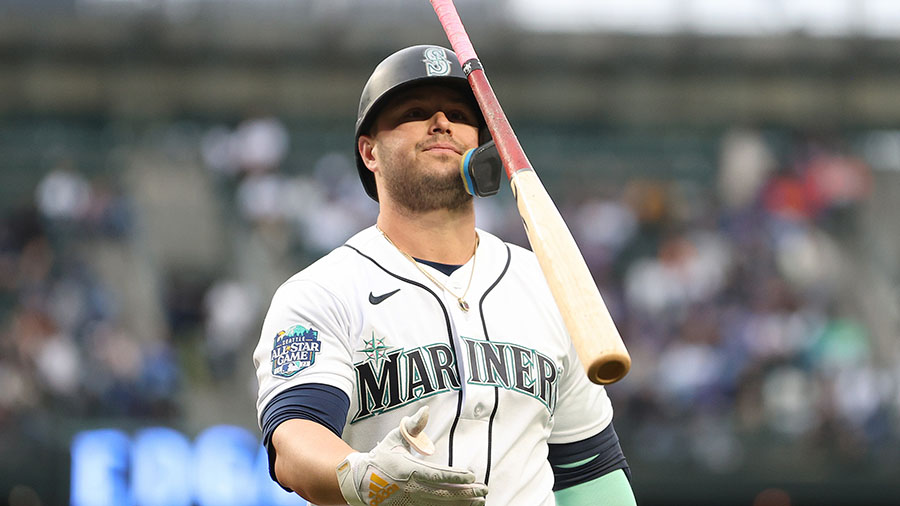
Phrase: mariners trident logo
[294,350]
[436,62]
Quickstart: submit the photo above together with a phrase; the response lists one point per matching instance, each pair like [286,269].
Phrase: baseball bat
[593,332]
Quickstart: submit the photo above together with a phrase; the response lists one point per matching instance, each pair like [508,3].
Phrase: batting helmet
[413,66]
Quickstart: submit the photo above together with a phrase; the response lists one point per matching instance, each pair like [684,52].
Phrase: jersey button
[479,409]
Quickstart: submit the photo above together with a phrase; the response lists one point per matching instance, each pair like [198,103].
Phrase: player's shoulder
[519,261]
[522,257]
[519,251]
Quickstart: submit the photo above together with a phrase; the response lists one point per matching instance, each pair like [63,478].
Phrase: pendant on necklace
[463,304]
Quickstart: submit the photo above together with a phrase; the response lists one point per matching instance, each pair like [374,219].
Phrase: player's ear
[366,146]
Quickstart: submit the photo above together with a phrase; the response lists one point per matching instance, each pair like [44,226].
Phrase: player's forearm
[307,455]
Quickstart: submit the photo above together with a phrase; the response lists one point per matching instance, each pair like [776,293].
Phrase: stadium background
[731,171]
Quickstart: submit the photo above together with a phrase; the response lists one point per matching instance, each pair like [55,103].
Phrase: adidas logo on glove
[380,489]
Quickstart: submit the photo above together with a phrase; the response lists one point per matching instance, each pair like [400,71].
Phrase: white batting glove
[390,475]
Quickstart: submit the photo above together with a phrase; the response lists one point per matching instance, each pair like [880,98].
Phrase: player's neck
[436,236]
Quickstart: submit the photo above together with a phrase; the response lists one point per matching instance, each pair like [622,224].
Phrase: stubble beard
[419,190]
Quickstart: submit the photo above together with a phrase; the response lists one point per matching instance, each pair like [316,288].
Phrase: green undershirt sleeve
[611,489]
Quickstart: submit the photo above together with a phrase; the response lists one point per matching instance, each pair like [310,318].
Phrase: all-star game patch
[294,350]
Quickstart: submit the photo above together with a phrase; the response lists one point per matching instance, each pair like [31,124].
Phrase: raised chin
[441,159]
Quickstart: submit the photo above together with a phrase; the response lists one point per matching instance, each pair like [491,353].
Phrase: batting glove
[390,475]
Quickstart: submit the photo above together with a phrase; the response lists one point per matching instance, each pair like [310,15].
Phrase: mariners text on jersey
[397,377]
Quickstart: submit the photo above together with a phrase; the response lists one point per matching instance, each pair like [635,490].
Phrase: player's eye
[461,116]
[414,113]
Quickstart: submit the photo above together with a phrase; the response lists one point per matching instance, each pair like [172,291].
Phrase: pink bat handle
[459,39]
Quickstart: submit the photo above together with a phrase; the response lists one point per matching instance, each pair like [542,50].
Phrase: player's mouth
[443,148]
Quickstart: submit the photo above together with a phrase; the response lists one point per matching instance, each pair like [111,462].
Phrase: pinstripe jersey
[502,380]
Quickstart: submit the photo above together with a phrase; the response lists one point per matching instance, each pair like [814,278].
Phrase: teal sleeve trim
[611,489]
[576,464]
[582,461]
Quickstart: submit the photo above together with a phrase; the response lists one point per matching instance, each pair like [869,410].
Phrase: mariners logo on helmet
[436,62]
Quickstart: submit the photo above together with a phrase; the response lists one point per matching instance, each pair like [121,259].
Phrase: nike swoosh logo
[381,298]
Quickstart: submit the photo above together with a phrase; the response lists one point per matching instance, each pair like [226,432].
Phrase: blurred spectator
[687,271]
[256,146]
[602,228]
[64,194]
[838,181]
[261,144]
[745,163]
[58,364]
[335,205]
[260,198]
[218,152]
[790,401]
[231,310]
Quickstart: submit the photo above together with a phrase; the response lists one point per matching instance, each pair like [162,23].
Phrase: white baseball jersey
[502,380]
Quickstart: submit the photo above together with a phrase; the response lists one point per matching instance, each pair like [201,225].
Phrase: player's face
[417,143]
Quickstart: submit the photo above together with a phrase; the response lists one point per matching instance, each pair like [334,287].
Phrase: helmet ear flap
[481,169]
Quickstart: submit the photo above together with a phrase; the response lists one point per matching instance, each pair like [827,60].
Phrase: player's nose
[440,123]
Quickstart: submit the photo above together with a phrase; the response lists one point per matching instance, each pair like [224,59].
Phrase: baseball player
[424,361]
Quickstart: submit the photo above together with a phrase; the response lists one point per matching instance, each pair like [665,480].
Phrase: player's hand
[391,475]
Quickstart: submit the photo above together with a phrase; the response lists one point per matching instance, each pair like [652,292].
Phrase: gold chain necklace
[460,299]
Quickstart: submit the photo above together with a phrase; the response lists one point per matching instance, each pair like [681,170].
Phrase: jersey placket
[478,401]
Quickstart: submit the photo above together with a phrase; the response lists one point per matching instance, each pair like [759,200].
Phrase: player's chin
[428,200]
[444,163]
[445,193]
[441,163]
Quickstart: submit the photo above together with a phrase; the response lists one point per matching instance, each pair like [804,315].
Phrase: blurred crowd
[734,295]
[64,347]
[742,309]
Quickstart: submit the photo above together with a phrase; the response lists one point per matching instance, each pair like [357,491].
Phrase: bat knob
[609,370]
[413,431]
